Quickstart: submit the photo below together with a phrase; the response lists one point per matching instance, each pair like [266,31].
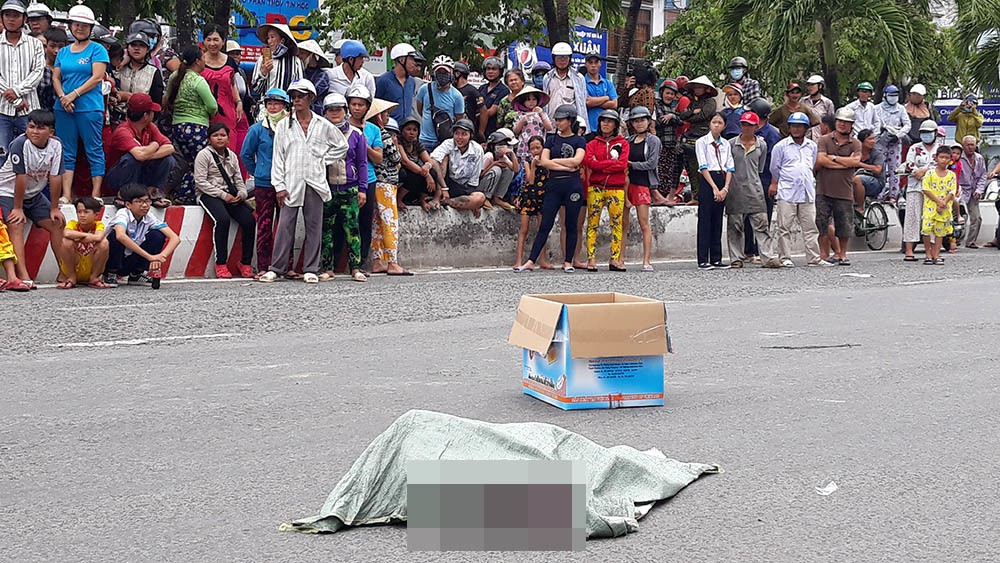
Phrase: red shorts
[639,195]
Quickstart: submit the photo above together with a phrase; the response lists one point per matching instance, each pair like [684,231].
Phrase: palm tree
[978,37]
[789,22]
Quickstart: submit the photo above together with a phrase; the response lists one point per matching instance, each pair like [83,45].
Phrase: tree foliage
[872,41]
[459,28]
[977,39]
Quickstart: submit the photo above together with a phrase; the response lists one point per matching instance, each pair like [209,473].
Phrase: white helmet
[401,50]
[358,91]
[443,60]
[334,100]
[38,10]
[561,49]
[337,45]
[82,14]
[815,79]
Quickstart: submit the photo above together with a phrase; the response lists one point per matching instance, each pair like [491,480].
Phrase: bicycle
[872,225]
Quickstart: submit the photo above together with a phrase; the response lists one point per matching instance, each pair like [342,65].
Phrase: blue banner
[989,108]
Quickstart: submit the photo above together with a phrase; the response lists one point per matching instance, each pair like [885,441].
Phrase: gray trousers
[284,236]
[761,233]
[974,222]
[496,182]
[805,215]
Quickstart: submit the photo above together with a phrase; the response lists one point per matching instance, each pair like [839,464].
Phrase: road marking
[925,282]
[140,341]
[284,297]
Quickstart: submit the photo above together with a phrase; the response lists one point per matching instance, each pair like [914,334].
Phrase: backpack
[440,118]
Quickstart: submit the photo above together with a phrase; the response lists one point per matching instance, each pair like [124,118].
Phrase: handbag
[440,118]
[230,185]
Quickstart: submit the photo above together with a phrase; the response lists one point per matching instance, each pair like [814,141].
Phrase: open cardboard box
[592,350]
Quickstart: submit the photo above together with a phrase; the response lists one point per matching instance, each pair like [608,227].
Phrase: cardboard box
[592,350]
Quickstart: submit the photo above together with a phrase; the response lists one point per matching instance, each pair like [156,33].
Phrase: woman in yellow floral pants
[385,222]
[607,161]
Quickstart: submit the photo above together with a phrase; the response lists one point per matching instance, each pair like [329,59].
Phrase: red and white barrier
[193,258]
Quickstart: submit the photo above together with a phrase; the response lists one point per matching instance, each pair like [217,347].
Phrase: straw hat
[311,46]
[282,29]
[543,98]
[378,106]
[702,81]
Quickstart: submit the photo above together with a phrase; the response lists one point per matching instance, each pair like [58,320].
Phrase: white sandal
[310,278]
[268,277]
[359,276]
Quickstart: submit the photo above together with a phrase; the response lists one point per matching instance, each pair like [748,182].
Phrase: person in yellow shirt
[967,118]
[939,187]
[85,246]
[8,259]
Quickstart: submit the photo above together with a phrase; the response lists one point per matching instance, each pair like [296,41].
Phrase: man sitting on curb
[460,162]
[139,152]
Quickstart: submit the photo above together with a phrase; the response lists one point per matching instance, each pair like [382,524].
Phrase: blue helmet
[277,94]
[800,118]
[890,89]
[352,48]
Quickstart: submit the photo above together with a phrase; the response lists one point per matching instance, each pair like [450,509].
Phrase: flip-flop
[359,276]
[403,273]
[66,284]
[98,284]
[592,269]
[614,268]
[520,269]
[844,262]
[568,269]
[648,268]
[909,259]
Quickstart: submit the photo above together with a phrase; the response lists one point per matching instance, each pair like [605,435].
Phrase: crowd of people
[87,119]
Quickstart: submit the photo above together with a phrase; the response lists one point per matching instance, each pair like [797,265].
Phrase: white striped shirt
[21,68]
[300,159]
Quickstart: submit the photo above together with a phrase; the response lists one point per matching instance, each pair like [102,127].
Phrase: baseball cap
[793,86]
[142,102]
[750,118]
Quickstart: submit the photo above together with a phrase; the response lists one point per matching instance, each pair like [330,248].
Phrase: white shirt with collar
[340,83]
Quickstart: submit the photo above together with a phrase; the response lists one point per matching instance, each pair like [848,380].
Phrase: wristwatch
[833,157]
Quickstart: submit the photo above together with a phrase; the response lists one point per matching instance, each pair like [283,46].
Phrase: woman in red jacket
[606,159]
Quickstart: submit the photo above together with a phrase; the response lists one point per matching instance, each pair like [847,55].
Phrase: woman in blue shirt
[77,77]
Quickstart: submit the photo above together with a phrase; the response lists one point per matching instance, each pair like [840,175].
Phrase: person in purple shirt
[341,212]
[972,184]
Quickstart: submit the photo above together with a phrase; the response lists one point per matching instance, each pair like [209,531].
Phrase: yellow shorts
[84,267]
[6,247]
[936,228]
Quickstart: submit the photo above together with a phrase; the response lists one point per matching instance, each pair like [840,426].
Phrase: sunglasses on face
[297,95]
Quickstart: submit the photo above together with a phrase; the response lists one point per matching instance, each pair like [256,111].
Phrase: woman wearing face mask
[919,161]
[895,130]
[256,155]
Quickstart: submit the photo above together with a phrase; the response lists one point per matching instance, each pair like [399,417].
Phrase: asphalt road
[187,424]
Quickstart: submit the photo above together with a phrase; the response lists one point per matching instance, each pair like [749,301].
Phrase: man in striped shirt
[22,61]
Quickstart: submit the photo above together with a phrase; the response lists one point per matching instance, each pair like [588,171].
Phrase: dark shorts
[456,189]
[37,208]
[840,210]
